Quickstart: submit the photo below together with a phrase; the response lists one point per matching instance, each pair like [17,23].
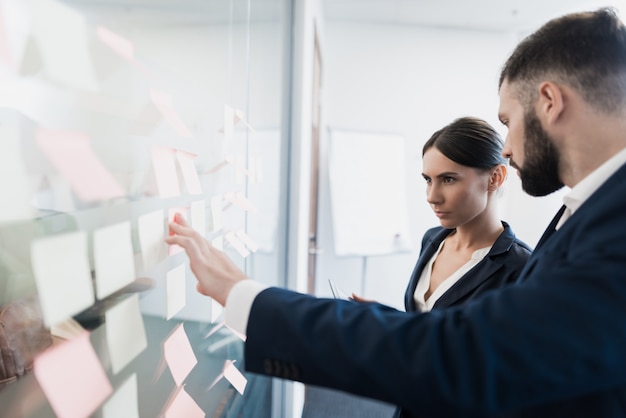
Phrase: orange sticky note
[179,355]
[71,154]
[72,378]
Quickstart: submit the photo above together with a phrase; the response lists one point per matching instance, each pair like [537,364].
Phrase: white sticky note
[72,378]
[234,242]
[165,172]
[179,355]
[61,34]
[62,274]
[125,332]
[151,231]
[113,258]
[123,403]
[217,213]
[234,376]
[245,238]
[189,171]
[197,213]
[240,169]
[175,285]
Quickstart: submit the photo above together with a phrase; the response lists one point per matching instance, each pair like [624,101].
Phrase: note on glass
[125,332]
[61,34]
[123,403]
[197,213]
[151,231]
[234,242]
[13,179]
[62,274]
[71,154]
[117,43]
[234,376]
[163,102]
[179,355]
[113,258]
[252,246]
[189,171]
[165,171]
[175,285]
[183,405]
[72,378]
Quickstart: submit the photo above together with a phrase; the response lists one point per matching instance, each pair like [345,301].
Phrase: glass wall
[114,116]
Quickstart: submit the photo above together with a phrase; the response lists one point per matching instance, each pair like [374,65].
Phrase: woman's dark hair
[468,141]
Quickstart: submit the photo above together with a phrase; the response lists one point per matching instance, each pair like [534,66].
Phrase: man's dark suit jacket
[551,345]
[501,266]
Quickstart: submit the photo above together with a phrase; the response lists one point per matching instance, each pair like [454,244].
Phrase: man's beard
[540,174]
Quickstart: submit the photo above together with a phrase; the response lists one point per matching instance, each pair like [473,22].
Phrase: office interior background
[288,132]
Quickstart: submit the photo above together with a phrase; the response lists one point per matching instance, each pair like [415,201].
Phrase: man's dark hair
[586,51]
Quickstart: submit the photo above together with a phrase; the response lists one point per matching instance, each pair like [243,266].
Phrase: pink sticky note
[116,42]
[72,156]
[72,378]
[234,376]
[179,355]
[190,174]
[183,405]
[165,171]
[163,102]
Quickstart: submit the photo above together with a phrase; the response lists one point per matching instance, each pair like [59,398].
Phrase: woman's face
[457,194]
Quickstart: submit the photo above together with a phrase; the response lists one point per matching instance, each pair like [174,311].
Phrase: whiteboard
[367,175]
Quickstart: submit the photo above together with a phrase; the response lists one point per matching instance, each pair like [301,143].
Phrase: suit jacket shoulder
[501,266]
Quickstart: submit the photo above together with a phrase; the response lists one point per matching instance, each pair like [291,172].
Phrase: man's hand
[215,272]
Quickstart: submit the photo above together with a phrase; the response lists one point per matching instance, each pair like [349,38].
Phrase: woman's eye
[448,180]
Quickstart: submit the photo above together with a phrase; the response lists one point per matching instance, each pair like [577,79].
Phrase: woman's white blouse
[424,281]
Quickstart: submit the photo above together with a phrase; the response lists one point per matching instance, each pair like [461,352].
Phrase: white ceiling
[467,14]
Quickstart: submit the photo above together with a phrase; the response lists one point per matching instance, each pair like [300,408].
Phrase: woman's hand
[215,272]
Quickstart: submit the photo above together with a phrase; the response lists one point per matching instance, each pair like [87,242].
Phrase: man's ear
[550,103]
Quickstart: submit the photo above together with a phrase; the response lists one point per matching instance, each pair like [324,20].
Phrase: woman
[472,251]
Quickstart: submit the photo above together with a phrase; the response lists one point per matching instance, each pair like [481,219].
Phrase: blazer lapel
[429,250]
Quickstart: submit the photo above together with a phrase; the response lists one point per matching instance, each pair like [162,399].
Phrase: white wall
[412,81]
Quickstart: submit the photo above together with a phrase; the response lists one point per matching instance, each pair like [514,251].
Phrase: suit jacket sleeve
[558,333]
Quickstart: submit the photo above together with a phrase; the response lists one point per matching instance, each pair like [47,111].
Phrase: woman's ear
[497,177]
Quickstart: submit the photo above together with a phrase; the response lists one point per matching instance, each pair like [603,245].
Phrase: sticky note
[71,154]
[165,171]
[179,355]
[113,258]
[189,171]
[234,242]
[217,213]
[125,332]
[62,274]
[183,405]
[249,242]
[72,378]
[175,285]
[234,376]
[123,403]
[151,231]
